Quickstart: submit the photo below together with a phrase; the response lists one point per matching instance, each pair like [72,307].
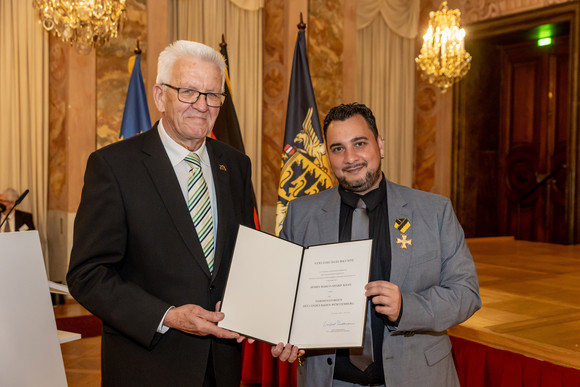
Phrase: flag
[227,126]
[136,114]
[305,167]
[305,170]
[257,361]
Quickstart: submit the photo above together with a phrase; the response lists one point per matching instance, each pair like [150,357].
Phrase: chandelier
[443,59]
[82,23]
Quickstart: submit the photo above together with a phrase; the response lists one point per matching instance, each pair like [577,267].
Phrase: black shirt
[377,210]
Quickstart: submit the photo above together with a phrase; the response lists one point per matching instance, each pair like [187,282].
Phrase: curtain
[24,109]
[479,365]
[385,54]
[240,21]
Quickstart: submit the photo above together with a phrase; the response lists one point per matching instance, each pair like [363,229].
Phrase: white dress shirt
[177,153]
[11,221]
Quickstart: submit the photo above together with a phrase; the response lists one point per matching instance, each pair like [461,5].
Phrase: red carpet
[87,326]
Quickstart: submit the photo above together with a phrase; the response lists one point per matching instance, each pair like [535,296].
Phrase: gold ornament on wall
[443,59]
[82,23]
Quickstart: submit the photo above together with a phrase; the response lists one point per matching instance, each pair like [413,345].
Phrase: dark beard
[371,177]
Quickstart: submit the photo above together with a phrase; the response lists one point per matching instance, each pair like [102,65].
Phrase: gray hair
[11,194]
[186,49]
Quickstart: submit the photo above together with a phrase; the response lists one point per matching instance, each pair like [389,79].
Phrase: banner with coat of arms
[305,168]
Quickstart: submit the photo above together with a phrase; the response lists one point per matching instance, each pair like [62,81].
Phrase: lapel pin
[403,241]
[402,224]
[223,167]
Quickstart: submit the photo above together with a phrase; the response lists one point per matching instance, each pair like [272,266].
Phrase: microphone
[21,198]
[17,202]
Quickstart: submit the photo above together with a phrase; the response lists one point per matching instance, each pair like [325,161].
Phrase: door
[534,141]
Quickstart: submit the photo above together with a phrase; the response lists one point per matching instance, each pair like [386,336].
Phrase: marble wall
[57,95]
[275,97]
[86,100]
[112,80]
[113,74]
[324,34]
[325,49]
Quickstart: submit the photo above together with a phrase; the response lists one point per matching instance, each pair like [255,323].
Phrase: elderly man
[423,279]
[155,232]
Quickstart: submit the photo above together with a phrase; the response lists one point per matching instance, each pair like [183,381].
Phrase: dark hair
[345,111]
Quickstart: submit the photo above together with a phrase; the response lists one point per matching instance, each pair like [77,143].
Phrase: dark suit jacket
[21,219]
[136,253]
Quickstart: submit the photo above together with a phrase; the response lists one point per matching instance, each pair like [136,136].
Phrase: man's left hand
[386,297]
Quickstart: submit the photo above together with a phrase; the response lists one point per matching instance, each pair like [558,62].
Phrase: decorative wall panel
[113,75]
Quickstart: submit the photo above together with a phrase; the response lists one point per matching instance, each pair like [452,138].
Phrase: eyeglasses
[191,96]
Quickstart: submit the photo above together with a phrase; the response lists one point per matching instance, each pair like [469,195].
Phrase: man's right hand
[198,321]
[286,352]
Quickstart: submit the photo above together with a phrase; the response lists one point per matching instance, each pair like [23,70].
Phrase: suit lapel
[329,219]
[220,171]
[163,177]
[400,257]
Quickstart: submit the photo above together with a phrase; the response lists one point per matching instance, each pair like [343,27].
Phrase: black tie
[361,358]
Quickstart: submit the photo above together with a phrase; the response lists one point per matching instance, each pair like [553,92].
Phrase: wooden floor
[531,299]
[531,305]
[82,358]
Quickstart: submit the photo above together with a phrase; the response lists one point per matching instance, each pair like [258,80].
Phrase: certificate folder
[312,297]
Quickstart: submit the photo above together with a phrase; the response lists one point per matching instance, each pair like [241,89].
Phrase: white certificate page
[330,306]
[261,288]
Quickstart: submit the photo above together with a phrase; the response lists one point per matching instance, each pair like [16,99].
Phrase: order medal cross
[403,241]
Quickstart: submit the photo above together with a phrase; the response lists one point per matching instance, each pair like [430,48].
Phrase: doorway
[515,128]
[533,136]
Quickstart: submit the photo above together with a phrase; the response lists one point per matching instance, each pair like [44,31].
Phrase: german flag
[227,126]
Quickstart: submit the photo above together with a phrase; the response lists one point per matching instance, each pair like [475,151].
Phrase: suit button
[329,361]
[211,288]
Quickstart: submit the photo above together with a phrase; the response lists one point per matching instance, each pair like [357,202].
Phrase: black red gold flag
[227,126]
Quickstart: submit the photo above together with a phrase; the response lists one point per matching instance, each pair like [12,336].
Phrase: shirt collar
[177,152]
[372,198]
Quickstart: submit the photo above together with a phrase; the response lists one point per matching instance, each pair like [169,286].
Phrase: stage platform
[531,299]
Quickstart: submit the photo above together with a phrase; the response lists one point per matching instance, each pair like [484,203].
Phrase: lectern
[29,346]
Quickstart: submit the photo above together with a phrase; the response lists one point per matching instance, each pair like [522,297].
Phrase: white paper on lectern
[263,284]
[30,351]
[57,288]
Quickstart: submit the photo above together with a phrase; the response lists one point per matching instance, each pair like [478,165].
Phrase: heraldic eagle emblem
[305,168]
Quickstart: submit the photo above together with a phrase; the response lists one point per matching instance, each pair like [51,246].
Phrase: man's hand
[287,353]
[198,321]
[386,297]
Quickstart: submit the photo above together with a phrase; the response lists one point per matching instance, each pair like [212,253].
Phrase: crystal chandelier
[82,23]
[443,59]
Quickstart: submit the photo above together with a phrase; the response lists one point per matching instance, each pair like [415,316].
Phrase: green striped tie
[200,207]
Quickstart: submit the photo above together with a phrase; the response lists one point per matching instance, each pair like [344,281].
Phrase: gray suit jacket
[436,276]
